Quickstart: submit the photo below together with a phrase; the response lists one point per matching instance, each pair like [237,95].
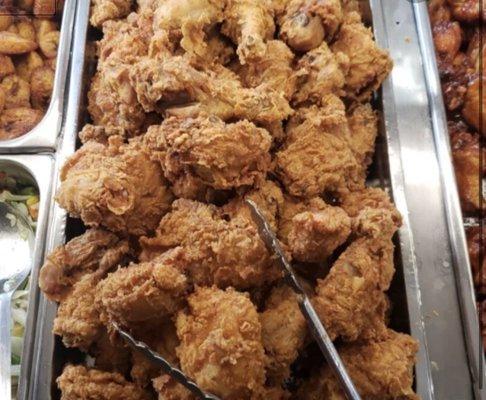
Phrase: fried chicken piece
[363,130]
[249,24]
[355,202]
[350,300]
[168,389]
[78,382]
[380,370]
[312,229]
[78,321]
[15,122]
[467,10]
[284,332]
[217,251]
[116,186]
[368,64]
[321,72]
[267,196]
[472,111]
[476,55]
[149,291]
[306,23]
[105,10]
[475,244]
[174,87]
[316,157]
[112,102]
[94,251]
[274,69]
[221,346]
[186,23]
[208,153]
[465,154]
[162,339]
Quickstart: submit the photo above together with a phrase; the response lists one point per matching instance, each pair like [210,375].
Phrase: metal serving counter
[437,281]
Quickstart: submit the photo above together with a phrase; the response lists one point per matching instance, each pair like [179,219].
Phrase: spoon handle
[5,346]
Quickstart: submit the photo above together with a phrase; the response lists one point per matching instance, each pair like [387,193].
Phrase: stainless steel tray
[37,169]
[424,291]
[45,135]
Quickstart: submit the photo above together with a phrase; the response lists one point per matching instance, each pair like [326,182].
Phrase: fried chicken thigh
[149,291]
[380,370]
[94,251]
[197,154]
[221,346]
[316,157]
[217,251]
[106,10]
[115,186]
[368,64]
[174,87]
[80,383]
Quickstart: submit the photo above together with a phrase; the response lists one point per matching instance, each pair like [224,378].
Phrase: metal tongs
[317,329]
[165,365]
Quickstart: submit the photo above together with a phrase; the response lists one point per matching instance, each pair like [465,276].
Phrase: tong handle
[322,338]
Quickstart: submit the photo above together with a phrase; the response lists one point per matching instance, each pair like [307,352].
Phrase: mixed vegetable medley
[24,197]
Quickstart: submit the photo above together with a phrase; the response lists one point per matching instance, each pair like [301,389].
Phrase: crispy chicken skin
[115,186]
[106,10]
[96,250]
[350,300]
[174,87]
[217,251]
[80,383]
[380,370]
[312,229]
[149,291]
[207,153]
[316,157]
[320,72]
[185,23]
[78,321]
[274,69]
[221,345]
[249,24]
[466,157]
[305,23]
[368,64]
[284,332]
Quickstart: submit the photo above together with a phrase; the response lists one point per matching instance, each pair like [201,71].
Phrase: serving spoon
[16,249]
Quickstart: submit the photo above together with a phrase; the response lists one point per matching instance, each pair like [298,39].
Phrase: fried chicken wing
[306,23]
[368,64]
[350,300]
[174,87]
[312,229]
[78,382]
[78,321]
[186,22]
[284,332]
[217,251]
[380,370]
[149,291]
[321,72]
[116,186]
[208,153]
[466,157]
[106,10]
[316,157]
[221,343]
[94,251]
[249,24]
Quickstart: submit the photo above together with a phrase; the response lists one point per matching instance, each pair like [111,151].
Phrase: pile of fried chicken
[196,106]
[458,37]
